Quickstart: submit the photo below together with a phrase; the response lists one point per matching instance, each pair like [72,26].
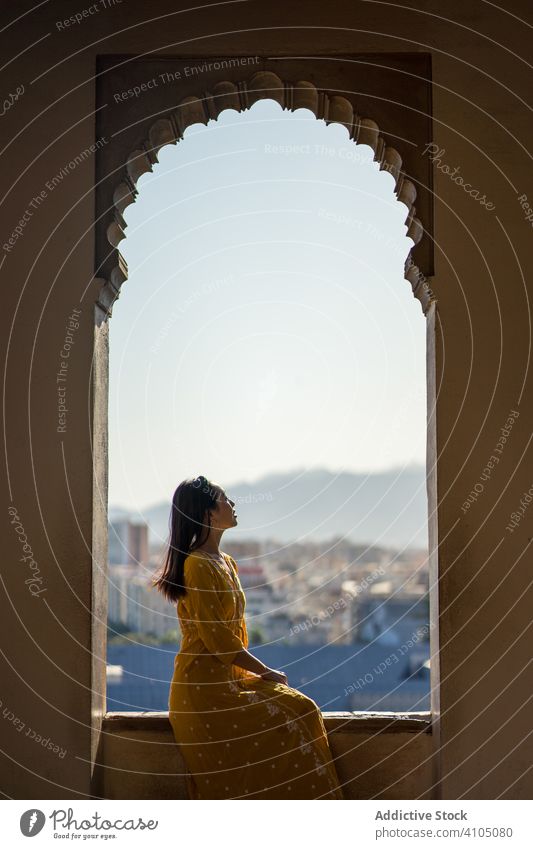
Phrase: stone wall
[53,643]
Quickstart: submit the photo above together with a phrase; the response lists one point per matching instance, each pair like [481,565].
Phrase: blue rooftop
[361,676]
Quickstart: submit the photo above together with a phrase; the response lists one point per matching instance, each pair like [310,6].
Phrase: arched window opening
[267,339]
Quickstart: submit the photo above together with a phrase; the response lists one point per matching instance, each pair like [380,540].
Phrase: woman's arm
[247,661]
[214,630]
[252,664]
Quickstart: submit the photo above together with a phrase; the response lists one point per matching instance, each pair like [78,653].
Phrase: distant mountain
[384,508]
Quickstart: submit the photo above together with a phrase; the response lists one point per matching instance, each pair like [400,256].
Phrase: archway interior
[266,337]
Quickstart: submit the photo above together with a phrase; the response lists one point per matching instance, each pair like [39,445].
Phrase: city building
[128,543]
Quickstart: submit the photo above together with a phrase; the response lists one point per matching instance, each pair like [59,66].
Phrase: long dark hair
[188,531]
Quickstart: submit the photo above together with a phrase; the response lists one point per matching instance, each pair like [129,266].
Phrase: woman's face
[223,516]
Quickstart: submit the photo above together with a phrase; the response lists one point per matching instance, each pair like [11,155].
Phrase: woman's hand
[274,675]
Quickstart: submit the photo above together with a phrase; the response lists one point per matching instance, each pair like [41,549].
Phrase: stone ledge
[345,722]
[384,721]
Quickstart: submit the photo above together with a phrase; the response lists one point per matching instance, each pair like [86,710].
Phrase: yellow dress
[241,737]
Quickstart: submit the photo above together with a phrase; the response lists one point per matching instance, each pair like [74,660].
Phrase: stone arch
[133,151]
[239,96]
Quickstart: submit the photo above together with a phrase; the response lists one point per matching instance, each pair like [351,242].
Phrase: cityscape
[348,623]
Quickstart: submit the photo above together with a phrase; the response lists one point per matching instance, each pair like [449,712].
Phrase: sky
[266,323]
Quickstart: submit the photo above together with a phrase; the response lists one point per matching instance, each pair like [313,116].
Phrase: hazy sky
[265,324]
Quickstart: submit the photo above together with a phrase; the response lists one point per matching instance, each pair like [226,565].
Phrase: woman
[242,731]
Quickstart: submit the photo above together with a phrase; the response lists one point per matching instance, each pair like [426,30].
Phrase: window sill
[345,722]
[385,754]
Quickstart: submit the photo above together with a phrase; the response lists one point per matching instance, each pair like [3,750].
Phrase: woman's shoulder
[201,555]
[231,560]
[199,571]
[195,558]
[198,562]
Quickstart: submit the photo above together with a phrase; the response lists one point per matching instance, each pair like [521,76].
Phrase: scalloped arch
[241,96]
